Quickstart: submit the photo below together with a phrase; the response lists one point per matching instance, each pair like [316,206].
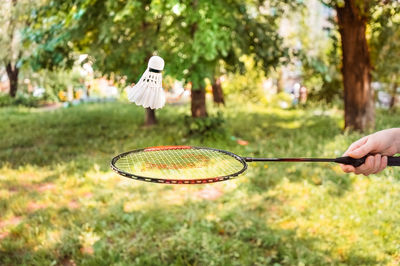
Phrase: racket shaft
[249,159]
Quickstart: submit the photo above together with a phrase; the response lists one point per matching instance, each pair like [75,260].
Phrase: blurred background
[263,78]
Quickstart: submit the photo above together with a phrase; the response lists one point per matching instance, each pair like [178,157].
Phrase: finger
[384,161]
[356,145]
[366,167]
[377,164]
[347,168]
[362,150]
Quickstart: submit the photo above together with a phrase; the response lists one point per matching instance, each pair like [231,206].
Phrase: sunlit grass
[60,203]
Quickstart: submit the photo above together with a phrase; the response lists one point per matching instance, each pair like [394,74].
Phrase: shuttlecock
[148,92]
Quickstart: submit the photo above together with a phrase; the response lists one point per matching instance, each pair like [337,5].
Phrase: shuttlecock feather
[148,92]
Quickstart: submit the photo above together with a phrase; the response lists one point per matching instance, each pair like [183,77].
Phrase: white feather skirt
[148,92]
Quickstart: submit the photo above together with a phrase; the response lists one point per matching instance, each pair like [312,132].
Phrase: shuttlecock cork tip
[156,63]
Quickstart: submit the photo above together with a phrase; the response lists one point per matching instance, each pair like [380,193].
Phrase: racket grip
[351,161]
[392,161]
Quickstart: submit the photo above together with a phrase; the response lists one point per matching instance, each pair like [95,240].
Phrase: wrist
[395,138]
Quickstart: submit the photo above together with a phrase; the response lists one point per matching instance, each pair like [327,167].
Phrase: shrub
[20,99]
[6,100]
[206,127]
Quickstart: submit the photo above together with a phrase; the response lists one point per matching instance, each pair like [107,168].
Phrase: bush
[206,127]
[6,100]
[20,99]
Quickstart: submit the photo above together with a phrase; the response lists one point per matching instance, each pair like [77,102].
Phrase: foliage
[53,42]
[247,86]
[61,204]
[210,127]
[20,99]
[383,37]
[14,18]
[322,76]
[193,36]
[315,35]
[205,32]
[279,100]
[385,44]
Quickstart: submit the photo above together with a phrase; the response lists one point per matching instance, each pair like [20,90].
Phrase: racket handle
[392,161]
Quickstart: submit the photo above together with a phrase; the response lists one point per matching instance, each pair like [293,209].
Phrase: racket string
[191,159]
[231,166]
[181,164]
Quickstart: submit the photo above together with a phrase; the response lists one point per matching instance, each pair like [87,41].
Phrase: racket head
[179,165]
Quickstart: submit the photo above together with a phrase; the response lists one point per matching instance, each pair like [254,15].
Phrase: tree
[359,107]
[204,34]
[14,17]
[200,35]
[353,17]
[193,36]
[218,94]
[105,30]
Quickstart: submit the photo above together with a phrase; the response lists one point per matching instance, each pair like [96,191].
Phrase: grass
[60,203]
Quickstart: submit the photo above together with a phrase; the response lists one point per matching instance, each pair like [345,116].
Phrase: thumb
[361,151]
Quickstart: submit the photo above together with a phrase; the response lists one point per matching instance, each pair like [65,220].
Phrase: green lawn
[61,204]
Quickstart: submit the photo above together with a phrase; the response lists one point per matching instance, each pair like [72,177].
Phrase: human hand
[382,144]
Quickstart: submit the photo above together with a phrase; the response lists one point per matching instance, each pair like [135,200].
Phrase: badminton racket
[199,165]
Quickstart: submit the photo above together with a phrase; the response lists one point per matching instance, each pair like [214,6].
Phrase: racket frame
[178,181]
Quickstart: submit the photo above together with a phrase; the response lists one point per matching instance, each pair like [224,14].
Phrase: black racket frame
[179,181]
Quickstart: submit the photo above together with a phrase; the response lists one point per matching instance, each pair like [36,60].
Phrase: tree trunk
[356,68]
[198,103]
[393,99]
[218,94]
[279,82]
[150,117]
[12,73]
